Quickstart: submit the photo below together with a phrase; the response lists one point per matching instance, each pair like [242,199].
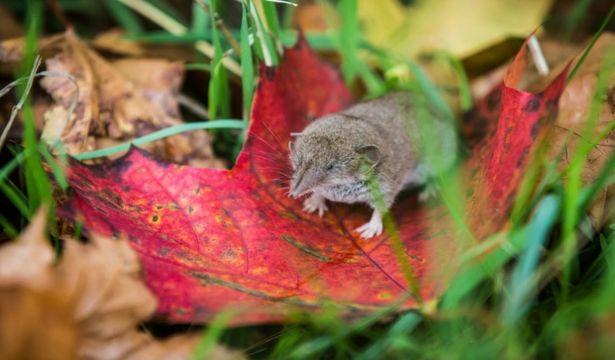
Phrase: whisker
[271,146]
[270,156]
[272,134]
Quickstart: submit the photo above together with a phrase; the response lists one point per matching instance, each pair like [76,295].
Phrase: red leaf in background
[501,156]
[214,239]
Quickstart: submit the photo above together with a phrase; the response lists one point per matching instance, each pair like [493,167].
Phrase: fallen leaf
[55,119]
[86,306]
[117,101]
[30,245]
[571,121]
[11,50]
[217,239]
[36,326]
[457,26]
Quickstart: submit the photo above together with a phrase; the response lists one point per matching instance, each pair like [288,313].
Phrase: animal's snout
[296,190]
[300,185]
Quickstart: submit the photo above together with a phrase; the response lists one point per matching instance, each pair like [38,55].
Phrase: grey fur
[327,156]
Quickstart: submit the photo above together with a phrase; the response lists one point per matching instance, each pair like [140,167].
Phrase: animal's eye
[330,166]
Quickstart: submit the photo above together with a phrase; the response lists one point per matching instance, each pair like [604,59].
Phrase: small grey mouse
[335,156]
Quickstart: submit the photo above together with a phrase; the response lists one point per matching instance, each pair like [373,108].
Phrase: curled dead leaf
[116,101]
[87,306]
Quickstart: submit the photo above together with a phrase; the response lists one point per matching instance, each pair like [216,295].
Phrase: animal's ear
[370,152]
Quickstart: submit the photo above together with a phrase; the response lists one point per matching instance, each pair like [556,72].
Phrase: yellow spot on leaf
[384,295]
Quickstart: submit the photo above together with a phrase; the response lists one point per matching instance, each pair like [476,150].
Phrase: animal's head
[319,161]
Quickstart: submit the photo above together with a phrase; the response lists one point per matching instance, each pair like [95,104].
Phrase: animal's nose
[293,189]
[297,188]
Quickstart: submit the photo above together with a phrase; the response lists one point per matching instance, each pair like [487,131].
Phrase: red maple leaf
[215,239]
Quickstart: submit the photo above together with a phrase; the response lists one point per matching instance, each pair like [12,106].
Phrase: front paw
[371,228]
[315,203]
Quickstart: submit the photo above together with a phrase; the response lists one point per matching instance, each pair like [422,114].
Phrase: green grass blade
[13,164]
[56,169]
[268,49]
[337,332]
[574,171]
[523,279]
[218,88]
[400,329]
[160,134]
[465,93]
[288,341]
[603,26]
[200,20]
[37,184]
[198,66]
[375,86]
[604,179]
[571,22]
[247,65]
[16,197]
[166,37]
[8,228]
[430,90]
[349,38]
[211,335]
[271,17]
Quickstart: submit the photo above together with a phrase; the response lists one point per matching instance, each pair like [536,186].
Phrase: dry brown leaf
[87,306]
[573,110]
[30,245]
[11,50]
[36,325]
[123,100]
[116,101]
